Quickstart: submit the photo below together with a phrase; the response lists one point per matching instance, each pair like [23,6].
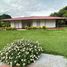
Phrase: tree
[5,16]
[4,24]
[54,14]
[61,13]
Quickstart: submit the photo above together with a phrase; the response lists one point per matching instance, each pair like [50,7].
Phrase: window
[38,22]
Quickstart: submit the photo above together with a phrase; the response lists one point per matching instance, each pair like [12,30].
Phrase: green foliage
[61,13]
[5,16]
[54,14]
[27,27]
[43,27]
[21,53]
[32,27]
[7,28]
[4,24]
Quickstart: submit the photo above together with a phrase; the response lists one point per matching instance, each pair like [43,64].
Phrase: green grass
[52,41]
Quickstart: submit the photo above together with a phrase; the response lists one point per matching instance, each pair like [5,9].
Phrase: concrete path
[47,60]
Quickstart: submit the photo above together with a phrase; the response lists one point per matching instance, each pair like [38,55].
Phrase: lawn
[52,41]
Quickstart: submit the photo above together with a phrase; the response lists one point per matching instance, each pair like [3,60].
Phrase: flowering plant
[21,53]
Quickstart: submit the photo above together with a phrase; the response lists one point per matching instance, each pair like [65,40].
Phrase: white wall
[50,23]
[12,25]
[42,23]
[16,24]
[47,23]
[34,23]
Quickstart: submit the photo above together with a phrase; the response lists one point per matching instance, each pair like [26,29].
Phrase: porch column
[12,25]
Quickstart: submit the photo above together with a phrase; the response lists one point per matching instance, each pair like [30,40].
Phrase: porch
[21,24]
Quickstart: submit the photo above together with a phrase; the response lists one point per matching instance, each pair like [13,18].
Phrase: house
[35,21]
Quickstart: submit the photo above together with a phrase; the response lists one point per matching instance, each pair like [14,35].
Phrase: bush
[2,28]
[21,53]
[9,28]
[33,27]
[43,27]
[28,28]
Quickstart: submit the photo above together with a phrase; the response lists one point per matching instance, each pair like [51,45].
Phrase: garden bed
[59,28]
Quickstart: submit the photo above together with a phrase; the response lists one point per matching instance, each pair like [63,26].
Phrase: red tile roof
[34,17]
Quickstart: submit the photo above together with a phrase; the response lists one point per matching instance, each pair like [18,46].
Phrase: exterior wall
[16,24]
[50,23]
[47,23]
[35,23]
[12,25]
[42,23]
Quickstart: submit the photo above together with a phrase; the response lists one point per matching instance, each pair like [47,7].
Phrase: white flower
[30,49]
[36,52]
[21,59]
[1,53]
[9,50]
[23,64]
[17,64]
[7,53]
[19,53]
[35,49]
[15,61]
[39,49]
[24,59]
[12,54]
[16,57]
[23,50]
[34,55]
[19,56]
[27,52]
[11,63]
[28,44]
[3,57]
[18,49]
[6,57]
[9,57]
[38,56]
[31,59]
[35,46]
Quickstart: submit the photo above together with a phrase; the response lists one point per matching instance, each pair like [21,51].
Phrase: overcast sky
[17,8]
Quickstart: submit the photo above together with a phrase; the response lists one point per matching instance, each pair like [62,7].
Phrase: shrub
[40,27]
[28,28]
[1,28]
[43,27]
[21,53]
[9,28]
[34,27]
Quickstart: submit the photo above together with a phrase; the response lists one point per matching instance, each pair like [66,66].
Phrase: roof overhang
[35,18]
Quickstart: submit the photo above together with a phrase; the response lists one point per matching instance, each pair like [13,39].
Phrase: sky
[18,8]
